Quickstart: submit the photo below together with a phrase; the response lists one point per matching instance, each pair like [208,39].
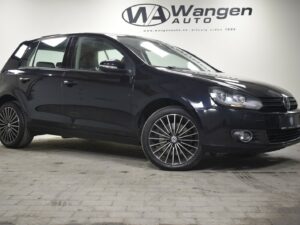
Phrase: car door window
[22,56]
[90,52]
[50,53]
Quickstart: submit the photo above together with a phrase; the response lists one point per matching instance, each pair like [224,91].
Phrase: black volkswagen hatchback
[139,91]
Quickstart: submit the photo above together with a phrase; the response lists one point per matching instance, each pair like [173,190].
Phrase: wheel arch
[157,104]
[16,97]
[7,98]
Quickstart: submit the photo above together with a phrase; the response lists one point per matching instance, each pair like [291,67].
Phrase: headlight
[234,99]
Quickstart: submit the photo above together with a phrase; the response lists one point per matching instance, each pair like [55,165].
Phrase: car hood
[254,88]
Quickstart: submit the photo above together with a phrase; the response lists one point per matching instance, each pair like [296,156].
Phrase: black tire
[14,132]
[159,142]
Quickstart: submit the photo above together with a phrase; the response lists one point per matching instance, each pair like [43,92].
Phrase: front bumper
[271,131]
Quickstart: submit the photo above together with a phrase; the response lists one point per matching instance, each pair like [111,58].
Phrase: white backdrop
[264,46]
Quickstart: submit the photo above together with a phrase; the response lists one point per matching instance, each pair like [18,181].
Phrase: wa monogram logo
[146,15]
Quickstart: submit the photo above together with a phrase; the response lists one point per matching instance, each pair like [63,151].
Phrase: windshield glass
[159,54]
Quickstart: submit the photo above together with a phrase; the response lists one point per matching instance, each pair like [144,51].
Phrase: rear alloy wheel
[170,139]
[13,128]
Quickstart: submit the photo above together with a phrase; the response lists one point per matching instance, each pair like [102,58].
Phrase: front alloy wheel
[170,139]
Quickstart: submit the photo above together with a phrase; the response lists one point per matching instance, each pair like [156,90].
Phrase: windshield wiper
[173,68]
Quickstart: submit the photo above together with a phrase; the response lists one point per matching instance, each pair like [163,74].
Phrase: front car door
[98,101]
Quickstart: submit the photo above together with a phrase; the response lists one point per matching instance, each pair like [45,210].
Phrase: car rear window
[50,53]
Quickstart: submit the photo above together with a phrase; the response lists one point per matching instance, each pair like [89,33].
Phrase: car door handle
[24,79]
[69,83]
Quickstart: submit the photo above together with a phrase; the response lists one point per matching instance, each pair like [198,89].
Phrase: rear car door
[40,78]
[95,100]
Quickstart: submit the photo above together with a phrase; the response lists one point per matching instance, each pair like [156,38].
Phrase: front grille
[278,135]
[277,105]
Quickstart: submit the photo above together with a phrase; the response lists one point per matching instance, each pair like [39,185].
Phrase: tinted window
[171,59]
[159,54]
[28,56]
[22,56]
[90,52]
[50,53]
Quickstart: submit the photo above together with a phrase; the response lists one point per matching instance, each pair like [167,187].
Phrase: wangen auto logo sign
[146,15]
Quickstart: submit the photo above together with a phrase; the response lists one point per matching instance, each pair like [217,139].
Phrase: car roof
[110,35]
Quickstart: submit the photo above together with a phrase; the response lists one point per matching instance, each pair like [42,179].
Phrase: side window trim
[35,51]
[72,52]
[66,63]
[44,68]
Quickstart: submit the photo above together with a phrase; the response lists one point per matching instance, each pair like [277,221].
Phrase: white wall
[265,46]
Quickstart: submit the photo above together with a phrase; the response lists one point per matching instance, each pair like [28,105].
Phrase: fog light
[243,135]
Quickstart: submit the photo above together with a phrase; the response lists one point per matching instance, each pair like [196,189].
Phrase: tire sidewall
[145,142]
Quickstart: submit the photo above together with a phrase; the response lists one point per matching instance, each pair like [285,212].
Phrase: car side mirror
[115,66]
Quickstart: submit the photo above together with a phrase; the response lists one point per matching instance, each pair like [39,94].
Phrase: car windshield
[159,54]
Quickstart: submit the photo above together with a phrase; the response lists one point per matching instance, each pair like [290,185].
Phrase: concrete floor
[79,182]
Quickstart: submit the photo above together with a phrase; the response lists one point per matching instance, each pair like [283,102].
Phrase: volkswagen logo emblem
[286,103]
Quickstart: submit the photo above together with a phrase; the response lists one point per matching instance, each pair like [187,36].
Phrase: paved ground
[78,182]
